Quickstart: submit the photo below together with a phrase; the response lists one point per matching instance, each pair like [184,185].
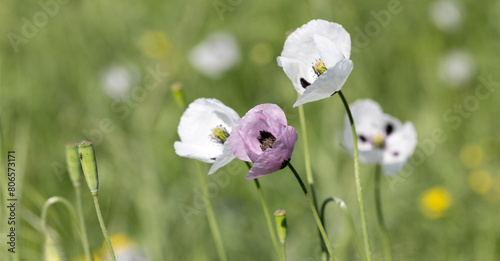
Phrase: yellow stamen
[378,141]
[220,134]
[319,67]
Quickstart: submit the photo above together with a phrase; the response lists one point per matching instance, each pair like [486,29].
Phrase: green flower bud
[50,251]
[280,216]
[73,162]
[89,165]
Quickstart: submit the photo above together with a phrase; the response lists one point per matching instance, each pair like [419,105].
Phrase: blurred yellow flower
[480,181]
[494,194]
[155,44]
[472,155]
[51,253]
[261,53]
[119,242]
[435,202]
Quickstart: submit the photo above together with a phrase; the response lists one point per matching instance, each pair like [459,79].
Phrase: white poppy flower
[218,53]
[118,80]
[457,68]
[447,15]
[382,139]
[316,59]
[204,129]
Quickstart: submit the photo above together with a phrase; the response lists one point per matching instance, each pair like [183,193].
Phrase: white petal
[196,126]
[399,147]
[295,70]
[337,34]
[374,156]
[300,44]
[368,118]
[366,112]
[329,52]
[226,157]
[392,169]
[193,151]
[327,84]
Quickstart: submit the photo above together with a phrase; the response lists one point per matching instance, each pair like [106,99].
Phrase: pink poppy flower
[263,137]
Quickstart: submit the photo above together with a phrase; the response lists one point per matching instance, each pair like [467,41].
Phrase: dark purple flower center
[388,129]
[304,83]
[266,140]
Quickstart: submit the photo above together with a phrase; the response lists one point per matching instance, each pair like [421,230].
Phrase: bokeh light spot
[435,202]
[261,53]
[480,181]
[472,155]
[155,44]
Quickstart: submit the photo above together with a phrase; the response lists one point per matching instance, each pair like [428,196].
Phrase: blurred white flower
[447,15]
[129,253]
[382,139]
[316,59]
[218,53]
[457,68]
[125,249]
[204,129]
[118,80]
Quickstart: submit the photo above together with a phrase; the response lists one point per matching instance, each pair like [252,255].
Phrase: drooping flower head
[382,139]
[316,59]
[204,130]
[263,137]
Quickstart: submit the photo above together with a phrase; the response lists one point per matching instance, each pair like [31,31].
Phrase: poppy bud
[89,165]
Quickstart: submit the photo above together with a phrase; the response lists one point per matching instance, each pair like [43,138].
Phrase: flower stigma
[319,67]
[378,141]
[266,140]
[220,134]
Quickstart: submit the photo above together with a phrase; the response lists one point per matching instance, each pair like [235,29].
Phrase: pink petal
[277,157]
[258,119]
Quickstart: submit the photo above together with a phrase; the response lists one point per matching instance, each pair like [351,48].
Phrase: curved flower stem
[73,215]
[380,216]
[268,217]
[315,212]
[79,210]
[211,216]
[343,206]
[358,179]
[103,226]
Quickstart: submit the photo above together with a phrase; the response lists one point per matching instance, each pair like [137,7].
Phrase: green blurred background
[51,93]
